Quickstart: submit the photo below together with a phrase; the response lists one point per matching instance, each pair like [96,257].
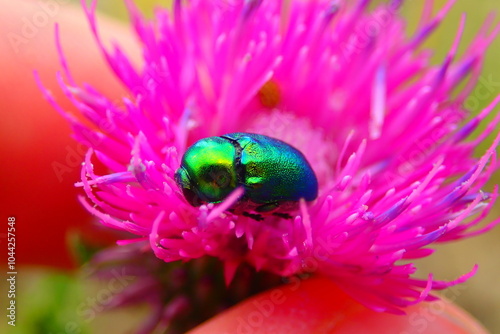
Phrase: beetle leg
[267,207]
[254,216]
[282,215]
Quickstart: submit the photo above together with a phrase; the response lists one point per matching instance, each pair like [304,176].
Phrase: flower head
[385,131]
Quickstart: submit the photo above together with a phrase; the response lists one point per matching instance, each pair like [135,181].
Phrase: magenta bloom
[385,131]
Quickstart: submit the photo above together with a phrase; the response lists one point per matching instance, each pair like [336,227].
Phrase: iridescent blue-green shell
[270,171]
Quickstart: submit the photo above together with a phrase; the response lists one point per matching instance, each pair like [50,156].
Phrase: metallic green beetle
[274,175]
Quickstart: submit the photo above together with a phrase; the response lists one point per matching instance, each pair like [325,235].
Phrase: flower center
[320,152]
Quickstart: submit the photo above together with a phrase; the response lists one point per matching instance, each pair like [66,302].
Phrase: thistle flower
[385,131]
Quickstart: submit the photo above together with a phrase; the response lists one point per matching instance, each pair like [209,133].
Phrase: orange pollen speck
[269,94]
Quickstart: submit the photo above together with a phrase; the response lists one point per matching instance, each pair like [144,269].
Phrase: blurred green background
[48,298]
[481,294]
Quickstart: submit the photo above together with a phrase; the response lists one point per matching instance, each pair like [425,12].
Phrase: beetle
[274,175]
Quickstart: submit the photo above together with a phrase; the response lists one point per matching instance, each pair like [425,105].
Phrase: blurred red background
[40,161]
